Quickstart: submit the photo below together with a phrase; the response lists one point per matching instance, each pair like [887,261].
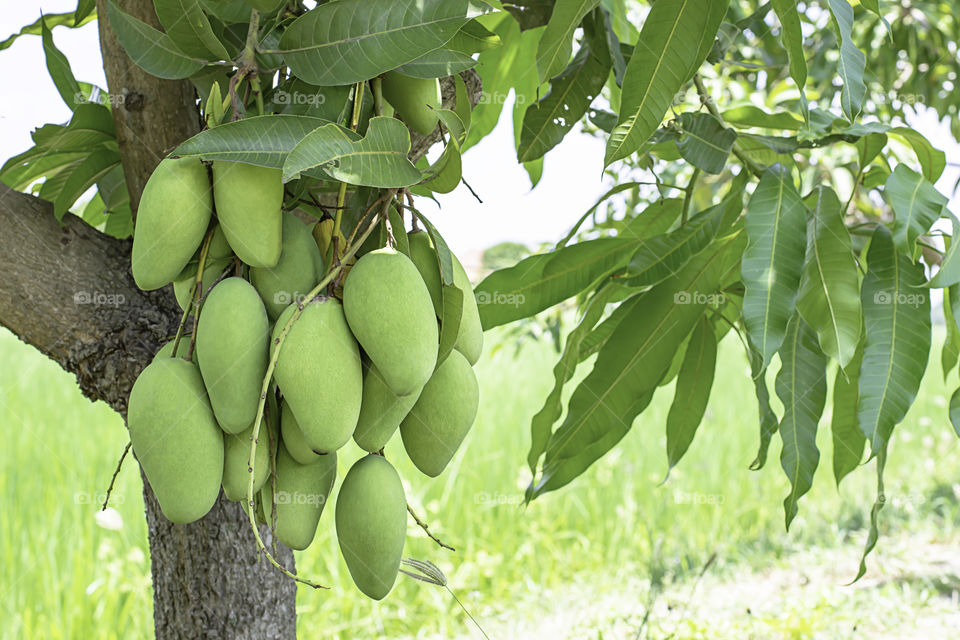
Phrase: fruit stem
[377,90]
[194,291]
[688,197]
[342,193]
[426,529]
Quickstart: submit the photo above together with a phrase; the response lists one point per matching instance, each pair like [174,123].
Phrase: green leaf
[452,296]
[955,411]
[949,273]
[897,316]
[655,219]
[753,116]
[352,40]
[772,264]
[51,20]
[438,63]
[870,147]
[692,391]
[768,419]
[473,37]
[705,142]
[379,159]
[874,532]
[188,27]
[932,161]
[848,440]
[792,36]
[802,387]
[90,126]
[261,140]
[84,9]
[852,62]
[666,56]
[151,50]
[23,170]
[829,296]
[59,69]
[556,44]
[950,351]
[84,176]
[444,175]
[916,206]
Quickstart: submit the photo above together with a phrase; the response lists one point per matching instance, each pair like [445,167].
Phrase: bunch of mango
[362,368]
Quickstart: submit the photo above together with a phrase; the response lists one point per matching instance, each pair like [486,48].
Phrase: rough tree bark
[67,290]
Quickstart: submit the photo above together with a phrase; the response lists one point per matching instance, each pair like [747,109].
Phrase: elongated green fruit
[166,351]
[295,274]
[184,283]
[442,416]
[249,202]
[389,310]
[232,350]
[172,219]
[236,463]
[372,524]
[470,334]
[302,492]
[380,412]
[176,438]
[293,439]
[415,99]
[319,373]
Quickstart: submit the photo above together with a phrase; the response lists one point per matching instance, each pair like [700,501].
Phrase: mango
[319,373]
[415,99]
[302,492]
[293,438]
[389,310]
[372,524]
[295,274]
[249,201]
[173,216]
[166,351]
[184,283]
[442,416]
[176,439]
[232,350]
[470,334]
[236,462]
[381,411]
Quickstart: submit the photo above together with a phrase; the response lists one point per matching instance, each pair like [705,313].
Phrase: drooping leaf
[705,142]
[23,170]
[60,72]
[52,20]
[851,63]
[829,297]
[896,314]
[655,216]
[848,440]
[151,50]
[772,264]
[694,382]
[955,411]
[769,423]
[91,126]
[84,176]
[949,273]
[666,56]
[553,52]
[189,28]
[438,63]
[916,205]
[932,161]
[84,9]
[873,534]
[753,116]
[444,175]
[792,37]
[379,159]
[260,140]
[352,40]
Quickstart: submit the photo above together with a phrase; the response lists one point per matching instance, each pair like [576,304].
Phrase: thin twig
[116,472]
[467,185]
[426,529]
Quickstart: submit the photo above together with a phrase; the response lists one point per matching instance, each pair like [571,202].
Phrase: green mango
[415,99]
[380,412]
[389,310]
[293,438]
[184,282]
[470,334]
[442,416]
[372,524]
[166,351]
[319,373]
[172,219]
[232,350]
[249,201]
[236,462]
[176,439]
[302,492]
[295,274]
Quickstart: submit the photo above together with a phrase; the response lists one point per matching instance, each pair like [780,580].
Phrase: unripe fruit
[232,350]
[184,283]
[470,334]
[380,412]
[319,373]
[415,99]
[389,310]
[442,416]
[295,274]
[372,524]
[176,438]
[173,216]
[293,438]
[302,492]
[236,462]
[249,202]
[166,351]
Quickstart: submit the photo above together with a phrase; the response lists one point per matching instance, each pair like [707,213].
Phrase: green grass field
[68,574]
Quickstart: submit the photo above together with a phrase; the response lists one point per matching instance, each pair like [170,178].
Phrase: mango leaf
[916,206]
[829,296]
[188,27]
[848,440]
[950,351]
[768,419]
[473,37]
[438,63]
[692,391]
[773,262]
[666,56]
[705,142]
[655,216]
[451,295]
[802,387]
[84,176]
[377,160]
[59,69]
[852,62]
[949,273]
[261,140]
[932,161]
[897,317]
[20,171]
[753,116]
[90,126]
[444,175]
[84,9]
[151,50]
[352,40]
[51,20]
[556,44]
[529,14]
[955,411]
[873,534]
[792,37]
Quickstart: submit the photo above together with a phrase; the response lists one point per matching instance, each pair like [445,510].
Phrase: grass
[66,574]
